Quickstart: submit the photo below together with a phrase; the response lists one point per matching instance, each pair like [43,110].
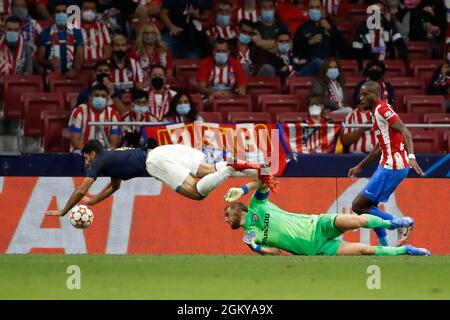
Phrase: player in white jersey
[396,147]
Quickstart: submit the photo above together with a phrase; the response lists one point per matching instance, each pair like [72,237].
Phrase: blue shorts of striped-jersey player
[383,183]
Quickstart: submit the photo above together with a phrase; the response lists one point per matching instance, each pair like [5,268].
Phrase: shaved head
[370,94]
[372,87]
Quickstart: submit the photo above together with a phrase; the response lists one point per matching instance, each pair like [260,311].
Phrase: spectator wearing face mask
[30,27]
[316,111]
[151,50]
[16,56]
[284,63]
[223,28]
[96,38]
[331,86]
[268,26]
[132,135]
[375,71]
[182,109]
[159,94]
[221,75]
[60,48]
[95,110]
[126,71]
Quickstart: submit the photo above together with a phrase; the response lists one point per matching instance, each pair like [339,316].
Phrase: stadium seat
[232,104]
[276,103]
[299,86]
[409,117]
[284,117]
[349,68]
[421,104]
[71,100]
[33,105]
[425,69]
[65,86]
[426,141]
[418,50]
[262,85]
[395,68]
[215,117]
[198,101]
[358,13]
[405,86]
[437,118]
[186,68]
[13,87]
[55,134]
[249,117]
[347,30]
[350,85]
[178,84]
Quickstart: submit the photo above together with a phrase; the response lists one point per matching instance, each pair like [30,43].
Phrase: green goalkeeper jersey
[277,228]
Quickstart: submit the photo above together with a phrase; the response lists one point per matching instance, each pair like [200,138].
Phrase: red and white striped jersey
[159,103]
[12,63]
[331,7]
[251,15]
[226,33]
[126,77]
[5,7]
[131,116]
[221,78]
[95,37]
[394,155]
[84,113]
[368,140]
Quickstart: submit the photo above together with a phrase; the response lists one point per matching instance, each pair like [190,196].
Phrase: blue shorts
[383,183]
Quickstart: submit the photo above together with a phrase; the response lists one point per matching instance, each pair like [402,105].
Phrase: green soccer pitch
[223,277]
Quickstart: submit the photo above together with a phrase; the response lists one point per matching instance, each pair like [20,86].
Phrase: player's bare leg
[355,249]
[189,190]
[347,222]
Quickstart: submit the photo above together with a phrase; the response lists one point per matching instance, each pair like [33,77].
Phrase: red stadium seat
[276,103]
[284,117]
[65,86]
[409,117]
[198,101]
[215,117]
[262,85]
[425,69]
[178,84]
[349,68]
[395,68]
[358,13]
[13,87]
[436,118]
[347,30]
[418,50]
[299,86]
[426,141]
[55,134]
[405,86]
[186,68]
[350,85]
[421,104]
[232,104]
[71,100]
[33,105]
[447,140]
[249,117]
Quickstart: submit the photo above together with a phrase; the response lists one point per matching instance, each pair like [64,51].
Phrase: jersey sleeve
[203,71]
[259,198]
[106,35]
[388,114]
[115,118]
[241,79]
[78,37]
[76,120]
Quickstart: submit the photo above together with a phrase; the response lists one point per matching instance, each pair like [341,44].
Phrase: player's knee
[367,251]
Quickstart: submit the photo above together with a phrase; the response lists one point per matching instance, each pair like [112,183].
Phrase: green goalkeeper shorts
[325,242]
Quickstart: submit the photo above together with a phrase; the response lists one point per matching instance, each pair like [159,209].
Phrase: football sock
[379,231]
[211,181]
[248,173]
[389,251]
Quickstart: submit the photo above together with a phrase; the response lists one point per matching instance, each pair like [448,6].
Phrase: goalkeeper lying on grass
[269,229]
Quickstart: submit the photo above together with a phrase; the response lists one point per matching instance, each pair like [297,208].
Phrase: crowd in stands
[132,53]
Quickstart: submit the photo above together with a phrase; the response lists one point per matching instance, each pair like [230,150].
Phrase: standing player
[174,165]
[269,229]
[397,154]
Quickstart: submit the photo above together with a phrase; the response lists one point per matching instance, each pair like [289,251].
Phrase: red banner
[145,217]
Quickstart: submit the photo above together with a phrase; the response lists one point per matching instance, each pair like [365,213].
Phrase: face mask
[149,38]
[183,109]
[61,19]
[244,39]
[333,73]
[140,108]
[222,21]
[88,16]
[120,54]
[20,13]
[314,14]
[157,83]
[98,103]
[315,110]
[12,36]
[374,74]
[221,58]
[284,47]
[99,77]
[267,16]
[411,4]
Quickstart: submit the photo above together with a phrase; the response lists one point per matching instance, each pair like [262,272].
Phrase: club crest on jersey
[255,218]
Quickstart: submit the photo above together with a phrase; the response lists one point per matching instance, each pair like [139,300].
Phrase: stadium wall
[145,217]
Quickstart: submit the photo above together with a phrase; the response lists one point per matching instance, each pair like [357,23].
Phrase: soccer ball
[81,216]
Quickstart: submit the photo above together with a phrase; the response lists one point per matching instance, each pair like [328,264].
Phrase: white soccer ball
[81,216]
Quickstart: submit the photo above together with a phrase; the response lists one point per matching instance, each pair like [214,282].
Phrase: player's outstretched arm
[374,154]
[234,194]
[400,127]
[112,187]
[76,197]
[249,240]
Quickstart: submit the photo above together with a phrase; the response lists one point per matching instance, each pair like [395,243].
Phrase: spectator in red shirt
[151,50]
[223,27]
[293,13]
[221,75]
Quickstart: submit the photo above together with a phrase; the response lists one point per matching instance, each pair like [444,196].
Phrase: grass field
[222,277]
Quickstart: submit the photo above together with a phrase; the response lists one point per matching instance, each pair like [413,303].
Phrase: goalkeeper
[269,229]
